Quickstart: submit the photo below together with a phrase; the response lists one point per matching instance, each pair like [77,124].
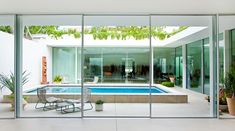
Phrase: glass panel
[233,46]
[7,91]
[64,63]
[116,64]
[226,58]
[164,64]
[179,68]
[194,64]
[206,66]
[52,63]
[221,58]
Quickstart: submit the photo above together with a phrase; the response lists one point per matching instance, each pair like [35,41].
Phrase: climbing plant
[100,33]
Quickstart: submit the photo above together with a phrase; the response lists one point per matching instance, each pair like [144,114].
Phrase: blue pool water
[94,89]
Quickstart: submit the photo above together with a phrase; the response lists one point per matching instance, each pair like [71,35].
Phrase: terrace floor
[117,124]
[197,106]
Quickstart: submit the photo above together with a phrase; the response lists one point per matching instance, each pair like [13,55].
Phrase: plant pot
[231,105]
[223,108]
[99,107]
[13,104]
[172,79]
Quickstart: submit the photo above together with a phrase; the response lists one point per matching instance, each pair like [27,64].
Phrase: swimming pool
[111,94]
[106,89]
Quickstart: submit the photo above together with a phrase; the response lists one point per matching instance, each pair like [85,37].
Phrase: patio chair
[96,79]
[86,99]
[49,103]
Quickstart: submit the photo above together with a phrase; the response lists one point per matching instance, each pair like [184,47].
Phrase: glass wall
[206,64]
[110,64]
[111,60]
[178,66]
[226,57]
[164,64]
[184,59]
[7,89]
[51,65]
[194,66]
[116,62]
[221,58]
[232,38]
[64,63]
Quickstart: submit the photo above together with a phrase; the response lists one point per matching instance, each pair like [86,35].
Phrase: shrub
[58,78]
[194,84]
[98,102]
[168,84]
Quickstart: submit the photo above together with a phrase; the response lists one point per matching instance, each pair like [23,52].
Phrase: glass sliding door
[116,65]
[7,65]
[178,66]
[182,48]
[226,58]
[51,65]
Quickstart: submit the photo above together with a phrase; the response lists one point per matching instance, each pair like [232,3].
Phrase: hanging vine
[100,33]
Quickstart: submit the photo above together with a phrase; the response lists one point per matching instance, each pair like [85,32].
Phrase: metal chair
[86,99]
[49,103]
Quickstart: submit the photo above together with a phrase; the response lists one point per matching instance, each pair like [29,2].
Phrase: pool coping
[170,91]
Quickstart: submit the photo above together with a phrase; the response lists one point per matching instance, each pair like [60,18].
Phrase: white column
[184,56]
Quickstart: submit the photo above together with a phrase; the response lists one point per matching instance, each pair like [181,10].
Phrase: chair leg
[90,105]
[45,107]
[36,106]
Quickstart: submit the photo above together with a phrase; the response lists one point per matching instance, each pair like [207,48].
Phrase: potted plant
[9,82]
[222,100]
[172,78]
[229,83]
[58,79]
[99,105]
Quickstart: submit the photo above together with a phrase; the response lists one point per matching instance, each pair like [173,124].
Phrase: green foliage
[9,81]
[222,97]
[99,102]
[168,84]
[194,84]
[229,83]
[58,78]
[100,33]
[7,29]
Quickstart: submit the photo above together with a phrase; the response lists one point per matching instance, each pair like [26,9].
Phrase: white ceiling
[117,6]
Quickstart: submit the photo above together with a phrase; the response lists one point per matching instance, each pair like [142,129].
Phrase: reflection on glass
[116,51]
[164,64]
[7,76]
[233,47]
[206,66]
[194,65]
[178,66]
[52,57]
[64,64]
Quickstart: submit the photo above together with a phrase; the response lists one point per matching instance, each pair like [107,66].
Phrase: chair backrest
[96,79]
[86,94]
[41,93]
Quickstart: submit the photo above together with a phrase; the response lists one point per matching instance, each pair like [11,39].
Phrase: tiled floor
[116,125]
[197,107]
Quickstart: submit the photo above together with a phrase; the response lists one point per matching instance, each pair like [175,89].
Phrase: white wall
[117,6]
[32,55]
[32,60]
[6,53]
